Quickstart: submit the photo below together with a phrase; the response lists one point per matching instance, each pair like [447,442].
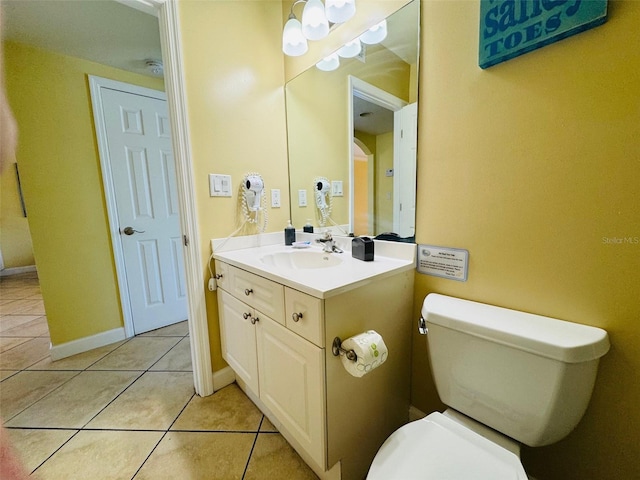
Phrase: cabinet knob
[254,320]
[248,291]
[246,315]
[218,276]
[296,316]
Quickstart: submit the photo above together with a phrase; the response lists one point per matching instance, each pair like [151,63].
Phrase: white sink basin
[298,260]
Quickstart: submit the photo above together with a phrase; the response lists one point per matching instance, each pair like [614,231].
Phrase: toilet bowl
[482,360]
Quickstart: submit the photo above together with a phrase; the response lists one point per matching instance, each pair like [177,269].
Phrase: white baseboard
[415,414]
[223,377]
[87,343]
[5,272]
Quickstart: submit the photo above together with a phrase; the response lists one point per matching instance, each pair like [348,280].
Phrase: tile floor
[127,410]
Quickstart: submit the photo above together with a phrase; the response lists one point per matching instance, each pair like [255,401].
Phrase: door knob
[131,231]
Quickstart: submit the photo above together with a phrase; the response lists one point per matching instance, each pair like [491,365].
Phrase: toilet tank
[527,376]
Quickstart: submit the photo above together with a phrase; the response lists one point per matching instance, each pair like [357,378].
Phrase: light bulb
[329,63]
[315,25]
[294,42]
[350,49]
[375,34]
[339,11]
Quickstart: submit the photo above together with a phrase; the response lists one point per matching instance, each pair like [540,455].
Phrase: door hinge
[185,240]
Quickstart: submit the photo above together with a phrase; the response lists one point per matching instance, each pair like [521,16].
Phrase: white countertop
[390,258]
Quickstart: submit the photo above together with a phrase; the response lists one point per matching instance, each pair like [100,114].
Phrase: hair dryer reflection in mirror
[253,199]
[322,190]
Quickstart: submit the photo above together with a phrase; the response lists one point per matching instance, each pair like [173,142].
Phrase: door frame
[170,40]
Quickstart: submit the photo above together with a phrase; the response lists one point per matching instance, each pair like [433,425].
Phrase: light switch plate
[336,188]
[275,198]
[219,185]
[302,198]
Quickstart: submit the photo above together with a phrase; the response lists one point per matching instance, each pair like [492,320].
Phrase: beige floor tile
[7,373]
[18,292]
[100,455]
[178,359]
[179,329]
[34,328]
[35,446]
[7,322]
[7,343]
[76,362]
[229,409]
[139,353]
[267,426]
[23,307]
[273,457]
[26,388]
[199,455]
[76,402]
[25,355]
[152,403]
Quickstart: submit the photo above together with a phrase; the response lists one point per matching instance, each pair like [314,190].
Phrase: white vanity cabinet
[278,341]
[284,370]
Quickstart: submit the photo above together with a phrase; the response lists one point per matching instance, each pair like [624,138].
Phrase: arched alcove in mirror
[361,101]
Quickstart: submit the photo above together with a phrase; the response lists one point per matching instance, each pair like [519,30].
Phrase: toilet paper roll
[370,349]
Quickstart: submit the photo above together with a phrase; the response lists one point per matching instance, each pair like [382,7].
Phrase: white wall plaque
[452,263]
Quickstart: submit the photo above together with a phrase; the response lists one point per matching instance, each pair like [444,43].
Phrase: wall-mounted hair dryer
[253,189]
[323,187]
[322,190]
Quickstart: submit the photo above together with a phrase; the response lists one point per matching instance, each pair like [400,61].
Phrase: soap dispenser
[289,234]
[308,228]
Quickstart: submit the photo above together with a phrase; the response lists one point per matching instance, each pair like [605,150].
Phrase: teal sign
[509,28]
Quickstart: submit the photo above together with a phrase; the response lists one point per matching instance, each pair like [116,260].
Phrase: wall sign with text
[509,28]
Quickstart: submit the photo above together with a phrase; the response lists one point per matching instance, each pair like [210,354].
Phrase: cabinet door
[238,338]
[292,384]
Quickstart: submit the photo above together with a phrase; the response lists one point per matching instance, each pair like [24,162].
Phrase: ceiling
[376,119]
[102,31]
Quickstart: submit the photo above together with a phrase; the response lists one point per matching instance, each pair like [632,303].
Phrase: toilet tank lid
[548,337]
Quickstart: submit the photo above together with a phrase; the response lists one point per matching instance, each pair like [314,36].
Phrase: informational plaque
[451,263]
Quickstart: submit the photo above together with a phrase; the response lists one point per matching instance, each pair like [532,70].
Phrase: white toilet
[508,377]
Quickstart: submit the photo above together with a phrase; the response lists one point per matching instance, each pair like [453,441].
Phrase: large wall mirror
[352,137]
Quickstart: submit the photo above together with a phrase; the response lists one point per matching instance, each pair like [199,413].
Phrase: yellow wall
[60,173]
[234,75]
[531,165]
[15,239]
[384,184]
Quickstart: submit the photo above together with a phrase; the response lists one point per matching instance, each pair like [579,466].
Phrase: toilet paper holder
[337,350]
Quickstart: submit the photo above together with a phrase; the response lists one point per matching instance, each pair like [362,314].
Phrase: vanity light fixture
[294,43]
[339,11]
[315,23]
[330,63]
[375,34]
[350,49]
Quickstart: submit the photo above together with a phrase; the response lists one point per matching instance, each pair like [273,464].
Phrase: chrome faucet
[328,243]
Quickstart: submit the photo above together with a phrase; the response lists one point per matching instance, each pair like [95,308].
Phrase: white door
[143,175]
[404,170]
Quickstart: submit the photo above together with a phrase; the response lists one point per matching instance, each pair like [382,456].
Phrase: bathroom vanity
[280,309]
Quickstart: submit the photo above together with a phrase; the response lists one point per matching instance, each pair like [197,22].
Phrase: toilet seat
[437,447]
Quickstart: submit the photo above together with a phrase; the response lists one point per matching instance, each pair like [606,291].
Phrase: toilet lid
[437,447]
